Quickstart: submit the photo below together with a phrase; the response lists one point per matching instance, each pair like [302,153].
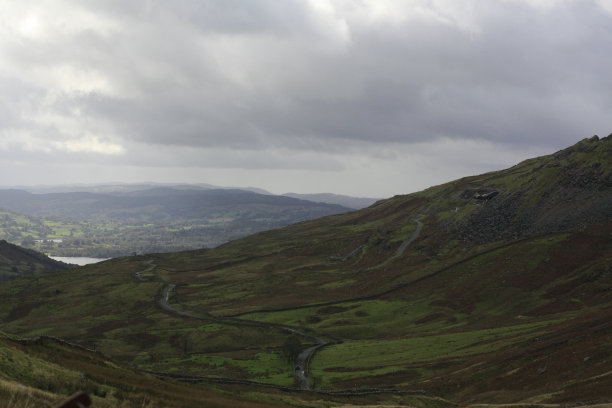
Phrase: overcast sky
[361,97]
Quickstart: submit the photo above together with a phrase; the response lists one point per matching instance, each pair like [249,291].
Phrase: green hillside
[492,289]
[36,373]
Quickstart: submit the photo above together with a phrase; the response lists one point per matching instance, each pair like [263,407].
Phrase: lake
[78,260]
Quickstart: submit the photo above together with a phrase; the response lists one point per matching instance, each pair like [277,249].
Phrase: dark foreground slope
[16,262]
[45,371]
[490,289]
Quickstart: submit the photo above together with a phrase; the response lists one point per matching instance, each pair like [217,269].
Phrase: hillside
[46,370]
[159,219]
[16,262]
[489,289]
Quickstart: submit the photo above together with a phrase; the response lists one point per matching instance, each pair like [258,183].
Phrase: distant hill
[343,200]
[16,262]
[153,205]
[489,290]
[329,198]
[160,219]
[126,187]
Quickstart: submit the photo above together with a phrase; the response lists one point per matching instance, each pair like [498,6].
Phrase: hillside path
[163,302]
[402,248]
[138,275]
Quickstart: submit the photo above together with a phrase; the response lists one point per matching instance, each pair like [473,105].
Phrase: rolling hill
[491,289]
[141,220]
[159,204]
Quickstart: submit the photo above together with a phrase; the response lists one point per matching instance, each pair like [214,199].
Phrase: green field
[62,236]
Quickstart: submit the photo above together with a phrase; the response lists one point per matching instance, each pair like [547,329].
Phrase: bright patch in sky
[91,144]
[30,26]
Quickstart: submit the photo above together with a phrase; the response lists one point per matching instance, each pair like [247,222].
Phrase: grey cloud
[239,17]
[254,75]
[147,156]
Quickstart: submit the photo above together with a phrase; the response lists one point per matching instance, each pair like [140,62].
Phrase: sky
[369,98]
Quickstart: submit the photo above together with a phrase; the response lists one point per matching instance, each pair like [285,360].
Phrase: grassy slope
[481,320]
[36,373]
[50,371]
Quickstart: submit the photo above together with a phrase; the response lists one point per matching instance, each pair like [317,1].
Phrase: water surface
[78,260]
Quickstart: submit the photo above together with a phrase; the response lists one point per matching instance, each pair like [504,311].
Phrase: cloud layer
[185,89]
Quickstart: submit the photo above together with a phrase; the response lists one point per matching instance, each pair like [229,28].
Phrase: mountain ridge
[547,194]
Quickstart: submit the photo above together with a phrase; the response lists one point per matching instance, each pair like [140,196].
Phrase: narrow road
[300,369]
[163,302]
[301,364]
[303,359]
[149,268]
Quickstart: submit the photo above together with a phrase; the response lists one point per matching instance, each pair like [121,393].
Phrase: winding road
[301,364]
[300,369]
[302,360]
[138,275]
[163,302]
[402,248]
[304,357]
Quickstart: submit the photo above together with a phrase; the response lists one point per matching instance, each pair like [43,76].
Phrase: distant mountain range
[112,188]
[163,204]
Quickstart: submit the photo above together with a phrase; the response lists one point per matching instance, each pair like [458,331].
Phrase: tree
[291,348]
[28,242]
